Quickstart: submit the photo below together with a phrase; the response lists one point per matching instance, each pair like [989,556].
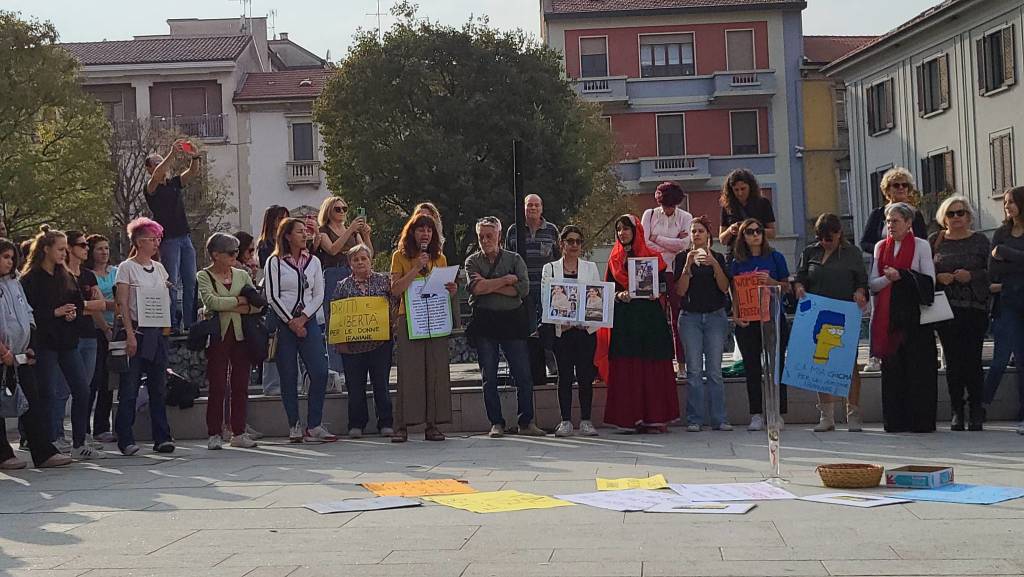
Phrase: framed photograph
[590,304]
[643,277]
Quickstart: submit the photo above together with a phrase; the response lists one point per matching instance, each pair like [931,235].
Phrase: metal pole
[770,298]
[518,195]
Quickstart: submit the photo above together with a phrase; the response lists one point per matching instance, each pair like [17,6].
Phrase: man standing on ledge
[541,248]
[166,201]
[498,289]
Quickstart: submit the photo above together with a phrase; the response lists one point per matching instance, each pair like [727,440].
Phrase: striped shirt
[541,248]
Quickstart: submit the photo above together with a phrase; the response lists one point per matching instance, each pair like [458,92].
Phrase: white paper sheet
[683,506]
[154,306]
[354,505]
[440,276]
[427,317]
[732,492]
[862,500]
[625,500]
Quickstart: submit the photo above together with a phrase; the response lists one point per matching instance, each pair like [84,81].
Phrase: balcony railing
[748,84]
[606,89]
[683,168]
[592,86]
[303,172]
[204,126]
[674,163]
[744,79]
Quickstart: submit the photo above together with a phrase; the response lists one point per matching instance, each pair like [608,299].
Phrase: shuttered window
[593,57]
[744,132]
[671,135]
[1001,148]
[739,50]
[880,107]
[997,60]
[933,85]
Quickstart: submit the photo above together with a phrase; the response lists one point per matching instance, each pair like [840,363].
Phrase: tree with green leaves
[54,164]
[430,113]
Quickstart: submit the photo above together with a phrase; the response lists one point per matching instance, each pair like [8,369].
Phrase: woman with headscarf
[641,381]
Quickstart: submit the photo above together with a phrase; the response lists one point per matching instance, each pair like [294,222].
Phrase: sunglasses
[956,213]
[753,232]
[827,237]
[81,244]
[900,185]
[340,208]
[573,240]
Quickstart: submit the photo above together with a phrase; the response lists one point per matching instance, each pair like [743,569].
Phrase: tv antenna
[378,14]
[273,23]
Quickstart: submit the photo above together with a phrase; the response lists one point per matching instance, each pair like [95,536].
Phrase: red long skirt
[641,392]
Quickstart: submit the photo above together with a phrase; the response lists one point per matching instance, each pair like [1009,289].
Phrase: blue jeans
[1007,332]
[333,276]
[179,258]
[128,395]
[376,364]
[313,350]
[703,336]
[59,371]
[87,351]
[518,358]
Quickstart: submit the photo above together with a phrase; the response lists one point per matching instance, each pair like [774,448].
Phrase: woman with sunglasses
[902,278]
[834,268]
[334,240]
[897,185]
[574,344]
[961,270]
[752,255]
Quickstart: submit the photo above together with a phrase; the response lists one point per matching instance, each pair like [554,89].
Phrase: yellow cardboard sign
[359,319]
[499,502]
[420,488]
[655,482]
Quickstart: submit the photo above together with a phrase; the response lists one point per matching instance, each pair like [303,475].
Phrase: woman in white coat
[574,344]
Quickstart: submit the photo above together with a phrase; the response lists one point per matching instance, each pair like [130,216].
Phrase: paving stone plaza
[235,512]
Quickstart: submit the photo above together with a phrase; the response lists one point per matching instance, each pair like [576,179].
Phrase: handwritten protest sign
[499,501]
[359,319]
[823,345]
[419,488]
[747,303]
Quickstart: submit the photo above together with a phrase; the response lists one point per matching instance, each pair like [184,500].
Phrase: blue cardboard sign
[822,348]
[966,494]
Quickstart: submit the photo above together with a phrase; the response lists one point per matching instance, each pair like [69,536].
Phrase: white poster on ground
[625,500]
[731,492]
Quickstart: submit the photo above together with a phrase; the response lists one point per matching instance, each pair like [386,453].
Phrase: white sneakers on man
[86,453]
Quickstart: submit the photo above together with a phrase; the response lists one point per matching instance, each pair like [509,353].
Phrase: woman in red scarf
[641,381]
[903,278]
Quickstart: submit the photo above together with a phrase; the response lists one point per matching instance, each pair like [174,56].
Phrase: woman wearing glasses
[902,278]
[752,255]
[574,344]
[334,240]
[961,270]
[834,268]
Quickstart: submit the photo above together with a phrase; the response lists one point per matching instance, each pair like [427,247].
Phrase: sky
[328,25]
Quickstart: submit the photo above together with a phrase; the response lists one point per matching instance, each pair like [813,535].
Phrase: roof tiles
[559,7]
[158,50]
[283,85]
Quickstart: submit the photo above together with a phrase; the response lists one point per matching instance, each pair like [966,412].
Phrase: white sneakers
[215,442]
[873,365]
[693,428]
[86,453]
[756,422]
[564,429]
[130,450]
[319,434]
[243,441]
[355,433]
[587,429]
[386,431]
[497,431]
[295,433]
[253,433]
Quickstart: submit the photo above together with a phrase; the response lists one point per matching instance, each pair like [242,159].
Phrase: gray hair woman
[961,271]
[362,358]
[901,279]
[220,291]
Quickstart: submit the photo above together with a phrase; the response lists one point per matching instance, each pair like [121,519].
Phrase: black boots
[957,423]
[977,418]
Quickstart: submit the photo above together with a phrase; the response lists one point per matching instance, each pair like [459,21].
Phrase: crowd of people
[73,325]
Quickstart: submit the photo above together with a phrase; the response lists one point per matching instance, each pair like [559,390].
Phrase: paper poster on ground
[420,488]
[680,505]
[823,344]
[625,500]
[499,502]
[732,492]
[428,315]
[965,494]
[652,482]
[359,319]
[355,505]
[862,500]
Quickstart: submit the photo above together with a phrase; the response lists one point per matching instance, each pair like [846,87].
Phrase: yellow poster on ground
[359,319]
[655,482]
[420,488]
[499,502]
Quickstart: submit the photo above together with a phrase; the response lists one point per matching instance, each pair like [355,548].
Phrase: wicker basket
[850,475]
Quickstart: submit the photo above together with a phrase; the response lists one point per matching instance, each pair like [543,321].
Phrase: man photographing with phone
[166,201]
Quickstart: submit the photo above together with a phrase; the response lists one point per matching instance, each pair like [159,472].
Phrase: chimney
[283,36]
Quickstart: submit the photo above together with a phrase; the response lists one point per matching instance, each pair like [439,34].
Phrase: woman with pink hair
[147,347]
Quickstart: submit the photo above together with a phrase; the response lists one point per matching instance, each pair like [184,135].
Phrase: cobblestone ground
[239,512]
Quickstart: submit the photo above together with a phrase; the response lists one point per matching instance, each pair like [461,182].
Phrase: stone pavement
[235,513]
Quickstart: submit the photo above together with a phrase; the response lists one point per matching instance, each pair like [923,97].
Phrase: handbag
[938,311]
[13,402]
[257,337]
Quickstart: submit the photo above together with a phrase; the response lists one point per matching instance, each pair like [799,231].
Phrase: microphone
[423,248]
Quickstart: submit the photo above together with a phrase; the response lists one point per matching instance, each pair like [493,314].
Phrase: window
[1001,147]
[666,55]
[877,199]
[739,50]
[840,108]
[302,141]
[608,119]
[744,132]
[933,85]
[671,135]
[937,176]
[880,107]
[593,57]
[996,60]
[844,192]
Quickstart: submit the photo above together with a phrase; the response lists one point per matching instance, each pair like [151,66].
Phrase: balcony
[606,89]
[303,173]
[751,86]
[207,126]
[678,168]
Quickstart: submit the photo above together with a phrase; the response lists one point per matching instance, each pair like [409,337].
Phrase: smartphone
[21,359]
[361,213]
[310,221]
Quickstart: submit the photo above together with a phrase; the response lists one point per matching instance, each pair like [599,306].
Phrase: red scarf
[883,341]
[618,258]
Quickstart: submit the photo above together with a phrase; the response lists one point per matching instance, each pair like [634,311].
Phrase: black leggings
[962,339]
[34,423]
[749,340]
[574,352]
[100,393]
